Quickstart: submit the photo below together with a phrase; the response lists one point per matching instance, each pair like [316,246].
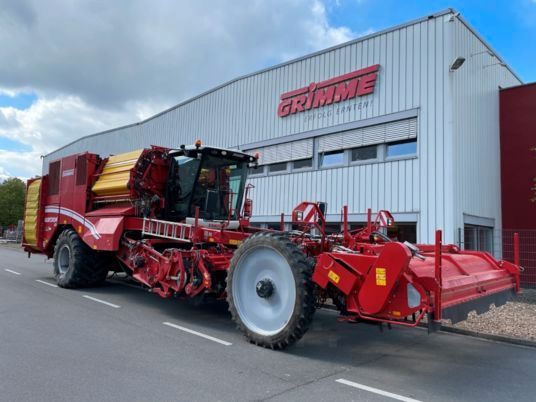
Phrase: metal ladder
[166,229]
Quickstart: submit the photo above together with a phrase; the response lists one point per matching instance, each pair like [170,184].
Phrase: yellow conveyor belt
[116,174]
[31,211]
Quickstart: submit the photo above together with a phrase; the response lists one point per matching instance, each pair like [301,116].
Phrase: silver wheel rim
[64,259]
[266,315]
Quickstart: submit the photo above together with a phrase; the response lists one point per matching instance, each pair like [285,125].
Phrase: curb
[490,337]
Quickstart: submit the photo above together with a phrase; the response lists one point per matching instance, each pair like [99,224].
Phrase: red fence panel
[527,253]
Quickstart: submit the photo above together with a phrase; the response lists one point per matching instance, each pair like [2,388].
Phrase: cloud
[52,122]
[95,65]
[108,53]
[4,174]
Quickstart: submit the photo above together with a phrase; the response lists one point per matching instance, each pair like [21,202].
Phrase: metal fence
[12,233]
[500,243]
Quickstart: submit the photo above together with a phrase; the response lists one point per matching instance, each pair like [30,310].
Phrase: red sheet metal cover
[383,277]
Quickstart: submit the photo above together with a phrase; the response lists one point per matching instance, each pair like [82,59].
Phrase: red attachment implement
[378,279]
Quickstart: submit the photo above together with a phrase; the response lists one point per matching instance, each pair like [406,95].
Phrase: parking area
[119,342]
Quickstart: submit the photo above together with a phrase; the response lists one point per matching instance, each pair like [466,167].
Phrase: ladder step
[168,230]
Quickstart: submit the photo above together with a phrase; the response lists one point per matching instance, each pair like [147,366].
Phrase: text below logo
[338,89]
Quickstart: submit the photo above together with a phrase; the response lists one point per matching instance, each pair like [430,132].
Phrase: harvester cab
[208,180]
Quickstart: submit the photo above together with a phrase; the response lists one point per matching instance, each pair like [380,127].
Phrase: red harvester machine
[177,221]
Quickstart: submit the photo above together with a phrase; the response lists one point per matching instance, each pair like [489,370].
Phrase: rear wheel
[76,265]
[269,290]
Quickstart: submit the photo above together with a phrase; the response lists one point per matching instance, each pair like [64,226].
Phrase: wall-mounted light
[456,64]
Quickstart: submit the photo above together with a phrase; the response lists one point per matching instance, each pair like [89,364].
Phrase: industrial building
[405,119]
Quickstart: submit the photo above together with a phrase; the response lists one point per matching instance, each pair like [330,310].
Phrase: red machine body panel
[383,277]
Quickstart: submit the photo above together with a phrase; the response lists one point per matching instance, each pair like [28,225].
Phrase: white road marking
[101,301]
[46,283]
[13,272]
[190,331]
[376,390]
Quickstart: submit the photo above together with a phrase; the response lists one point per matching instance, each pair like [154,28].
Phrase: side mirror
[211,202]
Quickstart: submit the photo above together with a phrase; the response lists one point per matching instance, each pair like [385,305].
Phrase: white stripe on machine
[74,215]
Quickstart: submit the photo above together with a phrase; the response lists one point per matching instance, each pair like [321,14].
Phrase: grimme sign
[338,89]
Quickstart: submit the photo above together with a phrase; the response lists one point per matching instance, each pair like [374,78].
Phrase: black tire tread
[302,267]
[88,268]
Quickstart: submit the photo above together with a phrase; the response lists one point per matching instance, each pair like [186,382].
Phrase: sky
[72,68]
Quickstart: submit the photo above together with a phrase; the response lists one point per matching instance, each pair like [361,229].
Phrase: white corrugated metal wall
[413,75]
[414,61]
[475,129]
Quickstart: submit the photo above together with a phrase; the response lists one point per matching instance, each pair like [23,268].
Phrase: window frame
[344,162]
[286,170]
[317,158]
[405,156]
[259,172]
[302,169]
[377,159]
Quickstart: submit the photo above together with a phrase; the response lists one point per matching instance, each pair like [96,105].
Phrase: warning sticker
[334,277]
[381,279]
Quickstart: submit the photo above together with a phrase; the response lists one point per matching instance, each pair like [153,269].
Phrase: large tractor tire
[75,264]
[269,290]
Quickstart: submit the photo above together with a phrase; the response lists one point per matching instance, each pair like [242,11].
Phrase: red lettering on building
[348,86]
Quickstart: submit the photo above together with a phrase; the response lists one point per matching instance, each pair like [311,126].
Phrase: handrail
[438,275]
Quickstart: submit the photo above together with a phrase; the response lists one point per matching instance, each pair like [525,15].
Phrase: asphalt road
[67,345]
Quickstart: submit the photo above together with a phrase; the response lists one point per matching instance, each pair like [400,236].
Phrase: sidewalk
[515,319]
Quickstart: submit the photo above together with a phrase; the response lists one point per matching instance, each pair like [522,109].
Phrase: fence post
[516,249]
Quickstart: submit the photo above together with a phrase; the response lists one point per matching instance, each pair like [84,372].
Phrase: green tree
[12,193]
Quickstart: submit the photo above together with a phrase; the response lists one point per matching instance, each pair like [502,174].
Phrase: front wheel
[269,290]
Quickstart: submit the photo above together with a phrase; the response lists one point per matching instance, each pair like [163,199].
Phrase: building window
[277,167]
[364,153]
[403,231]
[256,171]
[478,238]
[332,228]
[402,148]
[333,158]
[302,164]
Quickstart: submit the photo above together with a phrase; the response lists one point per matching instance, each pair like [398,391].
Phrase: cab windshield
[212,183]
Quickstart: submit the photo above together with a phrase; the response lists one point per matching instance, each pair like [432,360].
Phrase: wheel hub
[265,288]
[64,258]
